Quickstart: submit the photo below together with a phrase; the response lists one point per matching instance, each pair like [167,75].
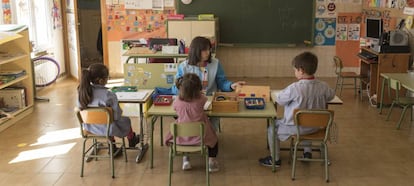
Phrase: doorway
[89,19]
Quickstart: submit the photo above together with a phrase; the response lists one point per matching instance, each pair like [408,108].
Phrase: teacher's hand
[237,84]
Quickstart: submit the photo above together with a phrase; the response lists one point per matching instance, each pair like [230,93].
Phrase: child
[307,93]
[189,106]
[93,93]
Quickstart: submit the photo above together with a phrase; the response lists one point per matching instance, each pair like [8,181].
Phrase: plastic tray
[163,100]
[254,103]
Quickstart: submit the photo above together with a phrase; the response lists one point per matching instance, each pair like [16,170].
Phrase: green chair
[98,116]
[404,102]
[321,119]
[341,76]
[186,130]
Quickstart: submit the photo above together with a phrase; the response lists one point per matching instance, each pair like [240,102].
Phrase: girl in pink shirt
[189,106]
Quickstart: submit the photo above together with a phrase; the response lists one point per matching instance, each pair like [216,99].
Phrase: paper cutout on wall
[325,31]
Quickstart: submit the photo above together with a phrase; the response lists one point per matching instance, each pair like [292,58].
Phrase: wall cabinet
[16,74]
[371,70]
[189,28]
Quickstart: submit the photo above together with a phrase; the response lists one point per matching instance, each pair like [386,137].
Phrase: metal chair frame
[98,116]
[322,119]
[186,130]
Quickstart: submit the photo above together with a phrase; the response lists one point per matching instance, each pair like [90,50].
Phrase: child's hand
[237,84]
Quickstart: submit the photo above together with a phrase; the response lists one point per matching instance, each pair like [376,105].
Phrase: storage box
[254,91]
[163,100]
[254,103]
[225,102]
[13,97]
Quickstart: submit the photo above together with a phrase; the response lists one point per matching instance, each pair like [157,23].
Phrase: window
[37,15]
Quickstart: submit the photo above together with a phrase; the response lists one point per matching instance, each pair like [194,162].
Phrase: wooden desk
[135,54]
[370,70]
[143,147]
[406,80]
[269,113]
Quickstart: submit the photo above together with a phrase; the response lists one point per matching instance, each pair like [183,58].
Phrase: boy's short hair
[307,61]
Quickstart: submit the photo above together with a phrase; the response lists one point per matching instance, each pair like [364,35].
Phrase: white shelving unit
[15,56]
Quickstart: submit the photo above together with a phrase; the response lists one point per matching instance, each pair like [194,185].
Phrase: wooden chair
[321,119]
[341,76]
[186,130]
[404,102]
[98,116]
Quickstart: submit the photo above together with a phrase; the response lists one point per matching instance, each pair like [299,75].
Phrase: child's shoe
[267,162]
[115,151]
[186,165]
[213,166]
[133,141]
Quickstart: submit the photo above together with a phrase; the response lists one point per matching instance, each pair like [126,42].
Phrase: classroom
[364,66]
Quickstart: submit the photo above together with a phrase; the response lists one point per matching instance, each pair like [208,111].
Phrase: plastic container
[254,103]
[163,100]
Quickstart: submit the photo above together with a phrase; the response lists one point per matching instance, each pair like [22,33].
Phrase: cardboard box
[225,102]
[246,91]
[13,97]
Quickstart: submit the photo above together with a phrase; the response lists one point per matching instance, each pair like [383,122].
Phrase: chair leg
[111,156]
[294,160]
[83,157]
[161,131]
[361,91]
[341,85]
[207,171]
[124,149]
[355,87]
[170,166]
[402,116]
[337,83]
[326,162]
[389,112]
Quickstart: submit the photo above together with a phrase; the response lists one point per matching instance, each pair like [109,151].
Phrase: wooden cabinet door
[180,30]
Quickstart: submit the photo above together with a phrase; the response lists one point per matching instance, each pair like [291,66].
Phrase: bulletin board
[125,23]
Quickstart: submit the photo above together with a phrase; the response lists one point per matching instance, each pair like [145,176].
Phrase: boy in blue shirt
[306,93]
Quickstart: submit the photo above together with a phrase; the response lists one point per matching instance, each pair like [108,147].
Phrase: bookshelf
[16,75]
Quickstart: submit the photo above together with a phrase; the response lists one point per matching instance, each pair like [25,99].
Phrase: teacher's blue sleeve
[221,80]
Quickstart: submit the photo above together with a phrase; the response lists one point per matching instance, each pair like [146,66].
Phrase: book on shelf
[10,75]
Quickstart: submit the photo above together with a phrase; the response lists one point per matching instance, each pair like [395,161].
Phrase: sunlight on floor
[48,138]
[60,135]
[42,153]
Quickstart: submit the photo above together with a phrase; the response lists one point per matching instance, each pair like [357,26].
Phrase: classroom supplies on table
[225,102]
[254,103]
[163,100]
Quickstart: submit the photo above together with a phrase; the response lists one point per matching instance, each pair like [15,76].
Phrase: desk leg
[274,144]
[153,120]
[143,147]
[382,94]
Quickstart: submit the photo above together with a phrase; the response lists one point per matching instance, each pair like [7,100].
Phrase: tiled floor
[44,149]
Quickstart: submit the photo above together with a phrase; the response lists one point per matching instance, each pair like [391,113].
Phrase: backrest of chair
[395,85]
[96,116]
[317,118]
[338,64]
[187,129]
